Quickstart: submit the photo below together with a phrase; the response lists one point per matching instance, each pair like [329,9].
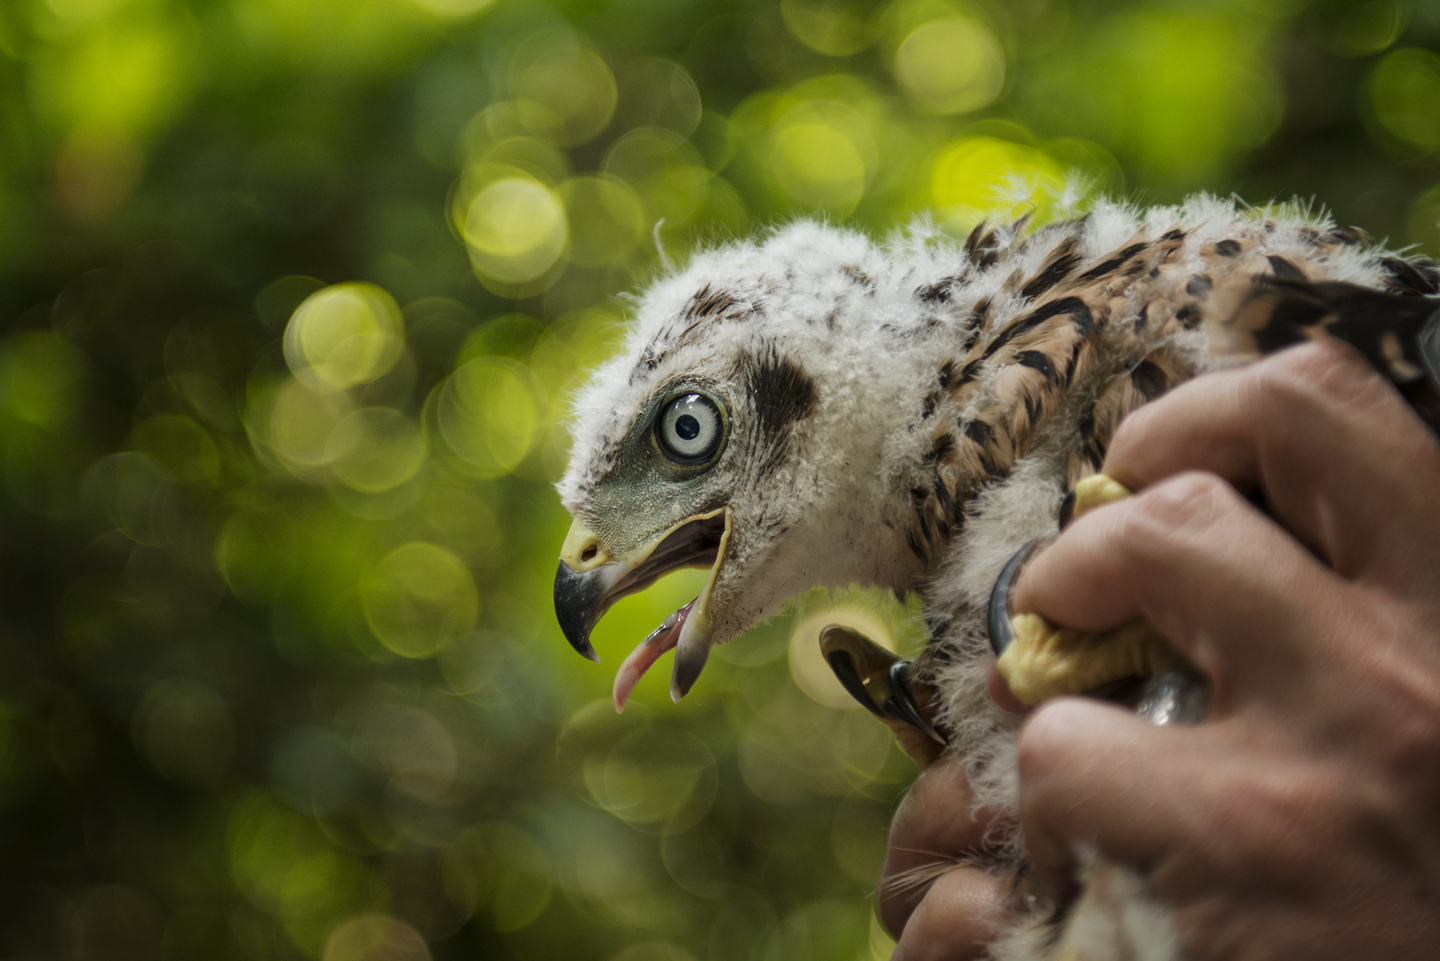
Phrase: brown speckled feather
[1090,340]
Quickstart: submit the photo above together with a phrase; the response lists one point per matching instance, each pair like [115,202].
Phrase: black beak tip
[688,665]
[577,598]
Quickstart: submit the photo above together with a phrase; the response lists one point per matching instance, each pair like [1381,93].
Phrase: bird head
[729,434]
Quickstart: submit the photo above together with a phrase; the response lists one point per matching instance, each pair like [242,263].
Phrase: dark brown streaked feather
[1047,362]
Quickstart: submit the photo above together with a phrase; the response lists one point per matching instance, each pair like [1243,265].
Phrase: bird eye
[690,429]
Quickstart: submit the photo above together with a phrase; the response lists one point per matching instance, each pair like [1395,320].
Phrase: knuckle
[1312,377]
[1181,502]
[1406,725]
[1279,819]
[1044,741]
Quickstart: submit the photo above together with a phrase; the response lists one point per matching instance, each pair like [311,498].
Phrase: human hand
[1303,818]
[940,906]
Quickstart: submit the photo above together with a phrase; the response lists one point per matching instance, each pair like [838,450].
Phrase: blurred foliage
[294,292]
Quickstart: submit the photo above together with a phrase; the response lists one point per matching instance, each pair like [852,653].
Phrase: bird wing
[1063,352]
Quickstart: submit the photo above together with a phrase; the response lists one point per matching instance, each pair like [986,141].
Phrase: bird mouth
[589,581]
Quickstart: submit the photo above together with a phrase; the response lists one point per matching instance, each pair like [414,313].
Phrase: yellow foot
[1046,661]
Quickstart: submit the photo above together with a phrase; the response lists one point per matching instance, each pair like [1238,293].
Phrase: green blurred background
[294,293]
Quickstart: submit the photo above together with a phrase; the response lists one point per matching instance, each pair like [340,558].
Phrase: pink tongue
[662,639]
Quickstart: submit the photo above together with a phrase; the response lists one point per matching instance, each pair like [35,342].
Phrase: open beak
[589,580]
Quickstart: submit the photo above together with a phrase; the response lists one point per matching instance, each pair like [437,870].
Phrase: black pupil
[687,427]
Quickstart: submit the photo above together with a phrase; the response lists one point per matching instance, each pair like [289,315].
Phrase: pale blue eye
[689,429]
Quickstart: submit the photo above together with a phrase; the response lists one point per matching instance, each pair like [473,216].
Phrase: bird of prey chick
[816,409]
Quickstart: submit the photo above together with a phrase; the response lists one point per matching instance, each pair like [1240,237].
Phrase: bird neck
[875,447]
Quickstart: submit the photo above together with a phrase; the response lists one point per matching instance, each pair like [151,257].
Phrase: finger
[1221,581]
[934,824]
[1193,808]
[1279,425]
[1075,757]
[958,918]
[999,690]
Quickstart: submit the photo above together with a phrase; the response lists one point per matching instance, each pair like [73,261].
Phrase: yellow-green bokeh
[297,295]
[951,65]
[344,336]
[419,599]
[1405,92]
[489,415]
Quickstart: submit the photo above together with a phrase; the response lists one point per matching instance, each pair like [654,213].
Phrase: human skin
[1302,819]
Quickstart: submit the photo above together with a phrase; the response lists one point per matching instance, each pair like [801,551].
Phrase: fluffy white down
[872,379]
[795,269]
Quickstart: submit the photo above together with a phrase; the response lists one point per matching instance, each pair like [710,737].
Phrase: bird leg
[1040,660]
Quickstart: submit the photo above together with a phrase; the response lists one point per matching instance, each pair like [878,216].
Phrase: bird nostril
[588,554]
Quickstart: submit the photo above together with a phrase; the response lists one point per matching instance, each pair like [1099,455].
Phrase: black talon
[1002,635]
[888,695]
[844,667]
[901,702]
[1067,509]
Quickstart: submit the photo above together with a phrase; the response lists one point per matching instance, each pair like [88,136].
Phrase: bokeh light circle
[836,29]
[819,165]
[1405,92]
[375,449]
[564,92]
[655,775]
[607,219]
[499,868]
[343,336]
[301,422]
[374,937]
[515,229]
[454,8]
[660,93]
[186,731]
[807,665]
[951,65]
[40,373]
[654,951]
[419,599]
[409,745]
[976,176]
[490,415]
[1423,223]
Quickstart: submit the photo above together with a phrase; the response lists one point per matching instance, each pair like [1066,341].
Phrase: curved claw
[859,665]
[1089,493]
[876,678]
[902,701]
[842,663]
[1002,633]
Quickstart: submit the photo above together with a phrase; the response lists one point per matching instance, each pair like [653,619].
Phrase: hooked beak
[589,580]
